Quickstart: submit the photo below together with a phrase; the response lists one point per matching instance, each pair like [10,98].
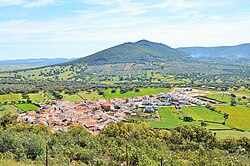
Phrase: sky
[77,28]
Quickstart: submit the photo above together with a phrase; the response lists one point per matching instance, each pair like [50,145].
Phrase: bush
[188,119]
[101,93]
[137,90]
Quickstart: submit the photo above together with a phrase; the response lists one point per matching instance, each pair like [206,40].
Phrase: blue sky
[77,28]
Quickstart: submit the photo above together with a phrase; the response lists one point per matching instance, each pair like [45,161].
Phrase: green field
[227,98]
[169,118]
[36,97]
[71,98]
[239,116]
[203,113]
[90,95]
[5,109]
[10,97]
[27,107]
[50,96]
[243,92]
[130,94]
[231,134]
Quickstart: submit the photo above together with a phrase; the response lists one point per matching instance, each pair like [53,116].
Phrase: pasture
[231,134]
[203,113]
[71,98]
[239,116]
[93,95]
[50,96]
[27,107]
[10,97]
[223,97]
[169,119]
[37,97]
[130,94]
[243,92]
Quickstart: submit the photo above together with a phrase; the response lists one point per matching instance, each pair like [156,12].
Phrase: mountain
[138,52]
[34,62]
[238,52]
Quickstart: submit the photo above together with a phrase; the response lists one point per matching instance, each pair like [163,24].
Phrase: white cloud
[39,3]
[10,2]
[176,23]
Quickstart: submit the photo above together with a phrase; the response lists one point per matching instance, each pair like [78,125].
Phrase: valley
[144,91]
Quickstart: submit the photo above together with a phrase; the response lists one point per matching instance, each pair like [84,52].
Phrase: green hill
[239,52]
[138,52]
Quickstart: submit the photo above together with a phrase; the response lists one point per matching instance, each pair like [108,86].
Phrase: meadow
[227,98]
[239,116]
[37,97]
[243,92]
[93,95]
[130,94]
[10,97]
[27,107]
[232,134]
[170,118]
[72,98]
[203,113]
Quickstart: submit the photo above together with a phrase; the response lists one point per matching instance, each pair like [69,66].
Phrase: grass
[71,98]
[216,126]
[90,95]
[130,94]
[10,97]
[243,92]
[227,98]
[8,162]
[27,107]
[50,96]
[169,119]
[36,97]
[239,116]
[202,113]
[5,109]
[231,134]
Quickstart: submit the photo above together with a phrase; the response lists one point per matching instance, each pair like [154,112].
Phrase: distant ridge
[138,52]
[240,52]
[35,62]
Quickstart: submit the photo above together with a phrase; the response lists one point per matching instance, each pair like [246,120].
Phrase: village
[95,115]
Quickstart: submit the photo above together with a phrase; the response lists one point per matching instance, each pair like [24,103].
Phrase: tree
[226,116]
[8,119]
[233,102]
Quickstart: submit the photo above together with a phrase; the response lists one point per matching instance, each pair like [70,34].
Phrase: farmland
[93,95]
[10,97]
[232,134]
[227,98]
[203,113]
[72,98]
[130,94]
[243,92]
[169,119]
[27,107]
[36,97]
[238,116]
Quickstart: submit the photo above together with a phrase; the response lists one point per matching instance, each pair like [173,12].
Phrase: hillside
[138,52]
[238,52]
